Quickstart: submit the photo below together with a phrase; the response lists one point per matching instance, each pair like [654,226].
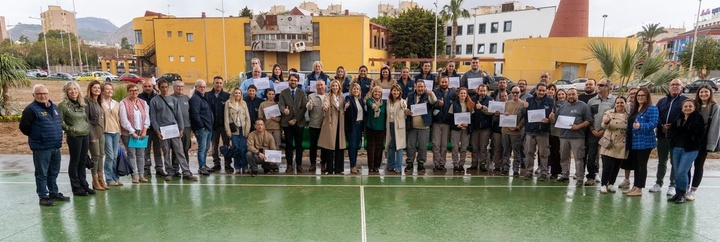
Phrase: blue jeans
[240,141]
[203,140]
[394,155]
[354,137]
[112,143]
[682,161]
[47,168]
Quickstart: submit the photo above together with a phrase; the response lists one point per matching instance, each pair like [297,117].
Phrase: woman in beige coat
[332,131]
[237,127]
[612,144]
[395,131]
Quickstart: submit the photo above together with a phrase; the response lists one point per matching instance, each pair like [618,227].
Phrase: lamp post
[435,30]
[697,25]
[222,10]
[47,57]
[604,17]
[72,59]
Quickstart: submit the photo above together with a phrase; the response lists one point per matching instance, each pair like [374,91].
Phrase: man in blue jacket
[441,123]
[482,129]
[418,126]
[41,123]
[537,134]
[669,107]
[217,98]
[201,123]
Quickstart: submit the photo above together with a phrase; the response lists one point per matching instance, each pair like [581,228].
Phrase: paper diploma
[473,83]
[462,118]
[496,106]
[262,83]
[536,116]
[385,93]
[564,122]
[280,86]
[272,111]
[509,121]
[301,75]
[454,82]
[418,109]
[429,84]
[274,156]
[312,87]
[169,131]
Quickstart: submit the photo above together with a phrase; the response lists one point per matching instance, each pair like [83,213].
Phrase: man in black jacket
[217,98]
[153,141]
[201,123]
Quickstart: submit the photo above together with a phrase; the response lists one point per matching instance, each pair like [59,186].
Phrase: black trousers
[293,142]
[78,147]
[641,159]
[314,138]
[334,159]
[611,168]
[698,168]
[375,140]
[591,155]
[217,134]
[554,157]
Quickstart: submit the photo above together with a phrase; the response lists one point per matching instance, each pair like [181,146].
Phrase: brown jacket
[514,108]
[272,123]
[333,122]
[239,115]
[257,141]
[615,131]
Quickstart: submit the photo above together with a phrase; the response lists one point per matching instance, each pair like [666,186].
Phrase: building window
[179,33]
[458,49]
[169,34]
[182,58]
[471,29]
[171,58]
[382,43]
[138,36]
[316,33]
[448,31]
[481,48]
[507,26]
[481,28]
[447,50]
[248,36]
[459,30]
[469,49]
[375,41]
[494,27]
[190,37]
[493,48]
[192,58]
[503,47]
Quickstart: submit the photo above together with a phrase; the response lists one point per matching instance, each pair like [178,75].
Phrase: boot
[101,180]
[96,183]
[312,167]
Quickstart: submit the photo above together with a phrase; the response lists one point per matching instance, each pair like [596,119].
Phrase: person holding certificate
[418,133]
[316,75]
[237,127]
[354,124]
[258,141]
[481,122]
[375,130]
[511,134]
[498,148]
[460,127]
[165,114]
[560,95]
[537,131]
[272,123]
[277,75]
[261,83]
[475,74]
[572,135]
[450,72]
[441,122]
[425,73]
[332,135]
[395,132]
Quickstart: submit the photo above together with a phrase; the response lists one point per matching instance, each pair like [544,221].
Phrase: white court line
[362,214]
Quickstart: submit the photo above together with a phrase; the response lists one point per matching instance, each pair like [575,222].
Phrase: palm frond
[660,80]
[627,61]
[651,65]
[603,53]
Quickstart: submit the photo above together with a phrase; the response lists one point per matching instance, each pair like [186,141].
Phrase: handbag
[123,164]
[89,162]
[605,142]
[233,127]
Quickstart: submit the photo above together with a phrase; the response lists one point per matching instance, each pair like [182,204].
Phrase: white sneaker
[611,188]
[625,184]
[671,191]
[603,189]
[656,188]
[690,196]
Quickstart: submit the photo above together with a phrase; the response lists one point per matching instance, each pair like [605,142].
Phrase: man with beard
[602,102]
[537,134]
[669,107]
[590,91]
[293,105]
[502,87]
[481,121]
[441,123]
[573,139]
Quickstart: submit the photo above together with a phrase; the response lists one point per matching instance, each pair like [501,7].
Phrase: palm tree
[12,74]
[648,35]
[623,65]
[453,11]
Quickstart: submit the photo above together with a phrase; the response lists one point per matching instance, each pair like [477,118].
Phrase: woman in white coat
[395,132]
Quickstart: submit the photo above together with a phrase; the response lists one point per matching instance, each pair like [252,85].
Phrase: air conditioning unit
[299,46]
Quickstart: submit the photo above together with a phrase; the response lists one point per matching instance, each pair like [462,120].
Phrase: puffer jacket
[615,131]
[74,119]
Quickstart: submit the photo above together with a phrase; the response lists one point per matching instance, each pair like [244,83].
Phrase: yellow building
[564,58]
[193,46]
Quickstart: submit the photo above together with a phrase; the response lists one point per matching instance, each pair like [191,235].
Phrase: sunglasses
[544,77]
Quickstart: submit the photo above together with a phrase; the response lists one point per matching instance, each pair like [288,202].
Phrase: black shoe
[59,197]
[46,201]
[204,171]
[253,173]
[147,174]
[458,169]
[229,170]
[81,194]
[673,198]
[190,177]
[504,173]
[409,167]
[215,168]
[160,173]
[483,168]
[177,174]
[90,191]
[472,168]
[562,179]
[680,199]
[516,174]
[421,167]
[553,177]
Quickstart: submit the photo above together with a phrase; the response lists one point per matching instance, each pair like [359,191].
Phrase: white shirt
[359,110]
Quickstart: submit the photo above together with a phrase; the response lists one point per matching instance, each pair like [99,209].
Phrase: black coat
[351,112]
[688,134]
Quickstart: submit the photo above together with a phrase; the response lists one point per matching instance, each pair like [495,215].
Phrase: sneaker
[168,178]
[690,196]
[472,168]
[204,171]
[59,197]
[656,188]
[590,182]
[579,183]
[529,176]
[624,184]
[671,191]
[190,177]
[229,170]
[46,201]
[421,167]
[603,189]
[635,193]
[542,177]
[215,168]
[409,167]
[680,199]
[611,188]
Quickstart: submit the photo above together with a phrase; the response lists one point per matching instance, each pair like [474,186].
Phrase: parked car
[579,83]
[171,77]
[36,73]
[563,84]
[86,76]
[494,83]
[694,86]
[61,76]
[131,78]
[109,77]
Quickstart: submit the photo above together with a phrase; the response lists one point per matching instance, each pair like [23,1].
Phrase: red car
[131,78]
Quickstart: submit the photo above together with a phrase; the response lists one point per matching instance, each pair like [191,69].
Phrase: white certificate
[262,83]
[301,75]
[385,93]
[418,109]
[272,111]
[496,106]
[169,131]
[462,118]
[274,156]
[473,83]
[429,84]
[454,82]
[509,121]
[280,86]
[312,87]
[564,122]
[536,116]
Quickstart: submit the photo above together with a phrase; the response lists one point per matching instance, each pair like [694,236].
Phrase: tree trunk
[454,41]
[6,99]
[650,48]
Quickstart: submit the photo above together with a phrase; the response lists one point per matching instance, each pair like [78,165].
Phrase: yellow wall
[529,58]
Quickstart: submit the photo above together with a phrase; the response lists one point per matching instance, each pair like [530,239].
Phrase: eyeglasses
[41,94]
[133,90]
[515,92]
[675,84]
[521,84]
[601,85]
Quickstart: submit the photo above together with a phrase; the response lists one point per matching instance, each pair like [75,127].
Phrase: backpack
[123,164]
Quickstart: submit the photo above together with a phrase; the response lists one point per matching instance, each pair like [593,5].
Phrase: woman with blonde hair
[395,135]
[237,127]
[96,119]
[76,127]
[315,75]
[375,129]
[111,109]
[354,122]
[332,135]
[344,79]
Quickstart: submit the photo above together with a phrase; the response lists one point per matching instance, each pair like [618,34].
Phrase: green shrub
[11,118]
[120,92]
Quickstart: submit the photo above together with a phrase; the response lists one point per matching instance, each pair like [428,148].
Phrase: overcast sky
[625,17]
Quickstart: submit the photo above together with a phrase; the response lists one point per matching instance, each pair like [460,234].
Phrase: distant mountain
[117,35]
[31,31]
[96,24]
[90,29]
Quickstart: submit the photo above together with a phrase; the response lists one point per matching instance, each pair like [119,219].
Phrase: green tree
[648,35]
[23,39]
[125,44]
[706,56]
[412,34]
[246,12]
[12,75]
[454,11]
[383,20]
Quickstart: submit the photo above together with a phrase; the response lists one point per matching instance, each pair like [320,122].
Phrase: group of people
[397,116]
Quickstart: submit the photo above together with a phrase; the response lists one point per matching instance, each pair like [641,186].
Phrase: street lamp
[222,10]
[47,57]
[435,30]
[697,25]
[72,60]
[604,17]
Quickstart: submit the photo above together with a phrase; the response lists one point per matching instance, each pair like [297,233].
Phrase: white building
[484,35]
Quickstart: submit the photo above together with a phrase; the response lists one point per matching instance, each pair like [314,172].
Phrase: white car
[36,73]
[563,84]
[109,77]
[579,83]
